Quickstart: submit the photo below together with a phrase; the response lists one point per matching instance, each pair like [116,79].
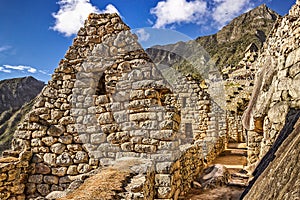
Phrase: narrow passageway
[234,159]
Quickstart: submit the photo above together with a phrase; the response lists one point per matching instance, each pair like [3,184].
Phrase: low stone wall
[14,175]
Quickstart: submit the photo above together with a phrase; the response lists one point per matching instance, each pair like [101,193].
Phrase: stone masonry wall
[13,175]
[107,101]
[276,89]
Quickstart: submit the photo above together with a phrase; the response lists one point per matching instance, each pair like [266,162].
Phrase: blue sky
[35,34]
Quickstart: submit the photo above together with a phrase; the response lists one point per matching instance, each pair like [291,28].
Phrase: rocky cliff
[15,101]
[227,47]
[15,92]
[272,116]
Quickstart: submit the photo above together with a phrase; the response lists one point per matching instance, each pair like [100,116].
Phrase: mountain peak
[258,18]
[227,46]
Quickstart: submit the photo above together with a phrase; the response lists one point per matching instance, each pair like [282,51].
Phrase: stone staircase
[228,183]
[234,158]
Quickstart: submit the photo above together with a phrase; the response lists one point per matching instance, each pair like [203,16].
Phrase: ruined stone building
[108,101]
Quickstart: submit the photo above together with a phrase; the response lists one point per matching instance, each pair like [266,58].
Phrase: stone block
[82,138]
[55,130]
[83,168]
[74,147]
[163,167]
[35,179]
[65,139]
[18,188]
[13,174]
[41,168]
[149,125]
[51,180]
[30,188]
[168,145]
[294,89]
[72,170]
[98,138]
[142,148]
[137,94]
[64,159]
[38,134]
[60,171]
[163,192]
[50,159]
[142,116]
[48,141]
[43,189]
[81,157]
[105,118]
[118,137]
[166,135]
[36,142]
[58,148]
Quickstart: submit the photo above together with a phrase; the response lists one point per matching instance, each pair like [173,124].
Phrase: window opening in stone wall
[183,102]
[189,130]
[101,90]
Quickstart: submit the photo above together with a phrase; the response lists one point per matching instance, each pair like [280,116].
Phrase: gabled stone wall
[107,101]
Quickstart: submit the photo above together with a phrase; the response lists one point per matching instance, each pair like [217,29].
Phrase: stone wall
[107,101]
[276,89]
[238,84]
[14,175]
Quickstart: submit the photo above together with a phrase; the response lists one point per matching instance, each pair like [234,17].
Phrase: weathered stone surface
[56,195]
[66,139]
[50,159]
[35,179]
[51,180]
[60,171]
[81,157]
[49,140]
[58,148]
[64,159]
[43,189]
[41,168]
[55,130]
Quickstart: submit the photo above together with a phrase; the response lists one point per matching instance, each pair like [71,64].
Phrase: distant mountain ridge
[16,96]
[15,92]
[225,48]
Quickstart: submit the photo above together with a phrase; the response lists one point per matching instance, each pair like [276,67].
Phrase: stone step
[242,152]
[237,146]
[233,166]
[240,183]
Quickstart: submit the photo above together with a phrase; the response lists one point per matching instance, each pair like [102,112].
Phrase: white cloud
[72,14]
[4,48]
[43,72]
[2,69]
[178,11]
[226,10]
[21,68]
[110,9]
[142,35]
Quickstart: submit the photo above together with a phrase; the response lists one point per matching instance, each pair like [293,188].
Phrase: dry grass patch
[101,186]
